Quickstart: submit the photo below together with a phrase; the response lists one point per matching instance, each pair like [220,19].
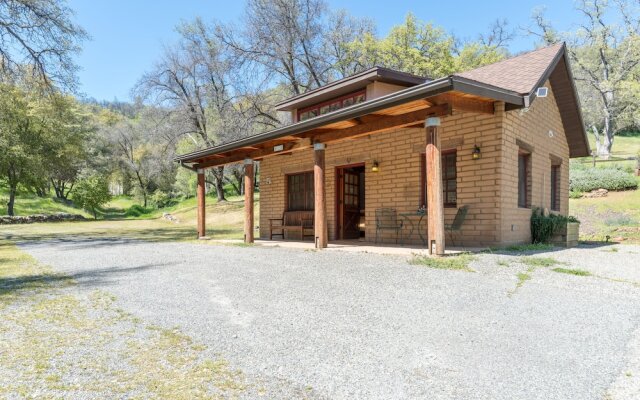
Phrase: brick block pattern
[532,128]
[487,185]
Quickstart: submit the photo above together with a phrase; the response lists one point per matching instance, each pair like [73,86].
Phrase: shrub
[543,227]
[161,199]
[588,179]
[575,195]
[91,193]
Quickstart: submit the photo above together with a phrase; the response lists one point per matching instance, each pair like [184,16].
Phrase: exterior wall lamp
[476,155]
[375,167]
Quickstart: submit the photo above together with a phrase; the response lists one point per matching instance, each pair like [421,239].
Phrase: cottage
[388,156]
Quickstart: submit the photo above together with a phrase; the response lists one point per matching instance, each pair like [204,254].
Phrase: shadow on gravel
[79,243]
[118,236]
[527,250]
[93,277]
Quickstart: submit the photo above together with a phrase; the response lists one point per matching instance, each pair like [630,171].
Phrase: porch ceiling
[410,113]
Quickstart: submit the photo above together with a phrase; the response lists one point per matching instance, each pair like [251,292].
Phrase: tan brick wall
[532,128]
[487,185]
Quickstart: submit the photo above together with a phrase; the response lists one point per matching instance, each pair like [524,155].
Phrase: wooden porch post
[319,196]
[248,200]
[435,206]
[201,203]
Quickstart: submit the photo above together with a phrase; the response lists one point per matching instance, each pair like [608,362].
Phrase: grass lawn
[28,204]
[224,221]
[616,216]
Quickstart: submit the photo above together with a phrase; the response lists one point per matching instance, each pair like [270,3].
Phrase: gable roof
[520,74]
[526,72]
[513,81]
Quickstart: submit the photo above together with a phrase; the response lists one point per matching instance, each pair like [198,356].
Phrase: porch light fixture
[376,167]
[476,155]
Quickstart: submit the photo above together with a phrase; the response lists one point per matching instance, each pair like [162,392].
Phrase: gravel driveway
[363,326]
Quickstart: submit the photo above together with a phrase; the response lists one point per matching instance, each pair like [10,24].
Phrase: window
[524,179]
[449,179]
[555,187]
[331,105]
[300,192]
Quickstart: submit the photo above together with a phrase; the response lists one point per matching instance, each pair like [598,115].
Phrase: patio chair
[456,226]
[387,220]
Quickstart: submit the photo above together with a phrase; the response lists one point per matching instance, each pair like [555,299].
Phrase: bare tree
[135,144]
[285,38]
[192,81]
[40,35]
[499,35]
[342,30]
[605,57]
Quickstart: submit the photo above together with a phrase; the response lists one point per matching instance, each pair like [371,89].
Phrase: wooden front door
[348,203]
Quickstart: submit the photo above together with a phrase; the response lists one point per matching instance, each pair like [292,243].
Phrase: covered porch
[422,110]
[418,111]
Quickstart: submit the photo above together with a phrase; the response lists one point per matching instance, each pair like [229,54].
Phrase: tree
[605,56]
[285,38]
[191,82]
[427,50]
[20,141]
[92,193]
[68,126]
[136,146]
[38,36]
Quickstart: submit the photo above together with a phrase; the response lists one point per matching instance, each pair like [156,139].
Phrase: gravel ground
[363,326]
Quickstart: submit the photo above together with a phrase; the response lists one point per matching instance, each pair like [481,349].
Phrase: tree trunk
[218,175]
[12,199]
[60,189]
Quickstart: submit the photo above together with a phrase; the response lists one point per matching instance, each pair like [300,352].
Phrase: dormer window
[331,105]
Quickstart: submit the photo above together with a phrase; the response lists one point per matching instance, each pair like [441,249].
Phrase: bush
[137,210]
[543,227]
[91,193]
[162,199]
[575,195]
[588,179]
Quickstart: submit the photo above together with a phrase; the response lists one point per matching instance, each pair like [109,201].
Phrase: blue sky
[128,35]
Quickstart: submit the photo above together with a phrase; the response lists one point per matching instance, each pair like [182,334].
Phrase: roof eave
[410,94]
[403,96]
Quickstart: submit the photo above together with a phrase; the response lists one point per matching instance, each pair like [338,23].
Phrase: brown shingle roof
[520,74]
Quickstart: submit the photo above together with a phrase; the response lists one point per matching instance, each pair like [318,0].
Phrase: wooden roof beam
[466,104]
[378,125]
[383,124]
[300,144]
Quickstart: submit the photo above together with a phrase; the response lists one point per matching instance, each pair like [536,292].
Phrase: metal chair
[387,219]
[456,226]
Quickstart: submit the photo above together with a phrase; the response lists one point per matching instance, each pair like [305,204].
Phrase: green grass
[29,204]
[577,272]
[529,247]
[623,146]
[539,261]
[617,215]
[458,262]
[522,278]
[523,248]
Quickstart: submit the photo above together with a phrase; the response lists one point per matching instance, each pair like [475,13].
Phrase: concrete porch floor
[357,246]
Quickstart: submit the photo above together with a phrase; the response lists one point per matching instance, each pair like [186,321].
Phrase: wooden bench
[297,221]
